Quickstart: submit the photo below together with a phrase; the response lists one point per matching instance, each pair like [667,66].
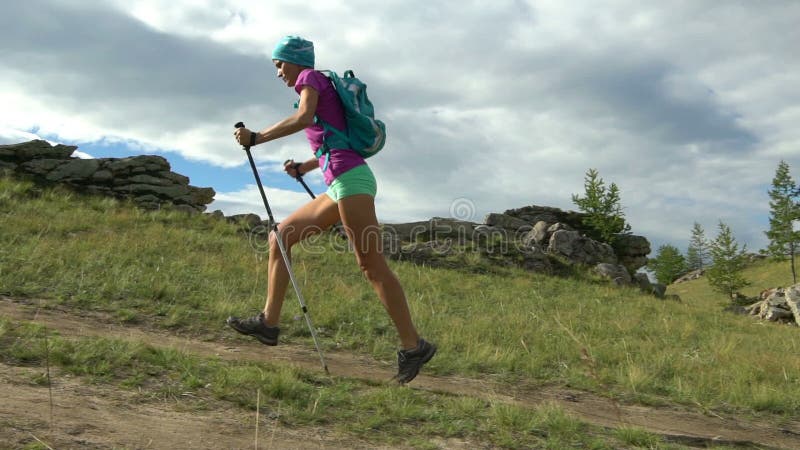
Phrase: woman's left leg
[361,225]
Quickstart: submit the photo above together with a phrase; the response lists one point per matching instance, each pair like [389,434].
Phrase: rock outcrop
[536,238]
[146,179]
[778,305]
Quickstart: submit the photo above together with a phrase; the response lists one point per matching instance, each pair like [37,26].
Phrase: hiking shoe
[410,361]
[254,326]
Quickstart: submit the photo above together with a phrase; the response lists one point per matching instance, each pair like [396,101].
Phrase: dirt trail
[80,406]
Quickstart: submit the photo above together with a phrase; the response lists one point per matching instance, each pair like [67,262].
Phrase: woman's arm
[300,120]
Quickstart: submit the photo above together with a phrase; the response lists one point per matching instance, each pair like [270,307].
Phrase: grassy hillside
[762,274]
[188,273]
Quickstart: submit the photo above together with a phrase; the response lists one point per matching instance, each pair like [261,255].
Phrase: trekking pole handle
[295,166]
[241,125]
[299,177]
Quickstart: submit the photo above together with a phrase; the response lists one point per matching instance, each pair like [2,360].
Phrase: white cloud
[503,103]
[248,201]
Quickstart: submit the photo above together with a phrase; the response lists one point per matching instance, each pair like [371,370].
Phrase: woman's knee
[286,239]
[375,268]
[291,233]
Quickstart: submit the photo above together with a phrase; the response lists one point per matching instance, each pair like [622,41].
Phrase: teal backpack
[364,133]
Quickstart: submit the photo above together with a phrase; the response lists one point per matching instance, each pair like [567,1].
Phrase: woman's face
[287,71]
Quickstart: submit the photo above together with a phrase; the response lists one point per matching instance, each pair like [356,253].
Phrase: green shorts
[358,180]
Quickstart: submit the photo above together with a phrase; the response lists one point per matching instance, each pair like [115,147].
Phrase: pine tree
[602,206]
[697,253]
[784,211]
[727,263]
[668,264]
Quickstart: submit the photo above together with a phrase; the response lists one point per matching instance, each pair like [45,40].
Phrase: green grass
[296,397]
[171,270]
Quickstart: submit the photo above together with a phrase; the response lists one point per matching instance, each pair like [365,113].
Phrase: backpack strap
[325,149]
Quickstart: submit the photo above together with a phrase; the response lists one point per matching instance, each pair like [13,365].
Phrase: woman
[350,198]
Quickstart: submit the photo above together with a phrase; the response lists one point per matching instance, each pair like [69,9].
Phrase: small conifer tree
[604,215]
[727,263]
[668,264]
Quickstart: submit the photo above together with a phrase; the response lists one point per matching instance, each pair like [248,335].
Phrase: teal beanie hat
[295,50]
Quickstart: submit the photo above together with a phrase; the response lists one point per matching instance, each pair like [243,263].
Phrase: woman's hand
[292,168]
[245,137]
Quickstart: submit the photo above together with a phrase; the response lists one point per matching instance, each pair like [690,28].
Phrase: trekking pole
[300,179]
[338,226]
[284,254]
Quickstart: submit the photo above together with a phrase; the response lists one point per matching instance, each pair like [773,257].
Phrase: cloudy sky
[688,106]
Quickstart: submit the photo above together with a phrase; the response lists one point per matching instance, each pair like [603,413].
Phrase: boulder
[36,149]
[507,222]
[631,250]
[538,235]
[614,272]
[137,164]
[533,214]
[246,221]
[778,305]
[536,260]
[77,170]
[40,167]
[580,249]
[693,275]
[435,229]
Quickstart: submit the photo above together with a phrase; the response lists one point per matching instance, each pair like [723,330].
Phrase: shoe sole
[428,356]
[264,340]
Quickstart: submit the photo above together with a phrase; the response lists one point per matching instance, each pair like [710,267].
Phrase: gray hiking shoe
[410,361]
[254,326]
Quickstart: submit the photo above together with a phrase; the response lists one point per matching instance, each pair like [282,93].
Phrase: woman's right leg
[311,218]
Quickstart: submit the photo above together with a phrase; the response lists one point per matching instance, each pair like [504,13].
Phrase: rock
[778,305]
[102,176]
[166,192]
[538,235]
[217,214]
[614,272]
[536,260]
[146,179]
[432,230]
[40,167]
[137,164]
[7,166]
[247,221]
[533,214]
[77,169]
[642,280]
[580,249]
[507,222]
[792,298]
[196,196]
[422,252]
[408,232]
[37,149]
[631,250]
[693,275]
[176,178]
[147,199]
